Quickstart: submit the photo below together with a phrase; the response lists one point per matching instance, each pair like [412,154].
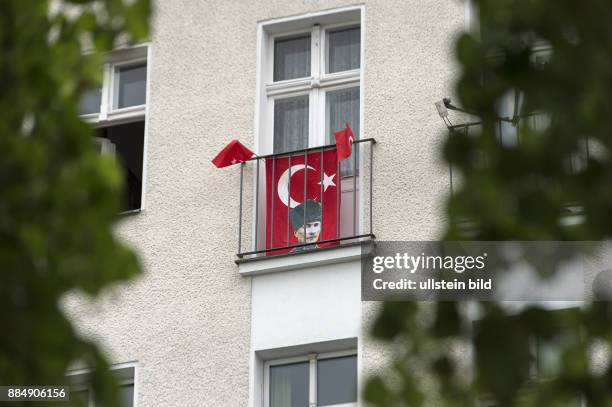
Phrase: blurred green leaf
[60,199]
[518,191]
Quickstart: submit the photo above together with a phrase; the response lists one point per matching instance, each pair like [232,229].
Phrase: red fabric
[279,229]
[344,142]
[233,153]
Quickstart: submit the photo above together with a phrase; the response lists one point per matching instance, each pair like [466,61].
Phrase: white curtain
[290,124]
[292,58]
[280,390]
[342,107]
[289,385]
[344,49]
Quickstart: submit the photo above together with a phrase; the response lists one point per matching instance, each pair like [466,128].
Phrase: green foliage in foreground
[59,199]
[511,191]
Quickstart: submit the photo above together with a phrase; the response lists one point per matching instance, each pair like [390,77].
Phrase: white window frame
[312,358]
[316,86]
[114,87]
[127,373]
[108,116]
[267,90]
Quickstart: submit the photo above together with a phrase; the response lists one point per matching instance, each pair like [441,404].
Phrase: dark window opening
[128,145]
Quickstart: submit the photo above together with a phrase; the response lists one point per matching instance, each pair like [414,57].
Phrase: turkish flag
[302,188]
[344,142]
[233,153]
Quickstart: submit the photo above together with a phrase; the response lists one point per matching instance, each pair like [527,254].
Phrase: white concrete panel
[305,306]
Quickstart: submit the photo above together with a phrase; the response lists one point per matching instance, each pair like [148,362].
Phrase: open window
[117,110]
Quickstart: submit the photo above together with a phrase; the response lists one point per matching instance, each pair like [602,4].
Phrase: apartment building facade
[224,314]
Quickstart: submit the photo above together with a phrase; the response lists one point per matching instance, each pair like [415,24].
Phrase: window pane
[337,381]
[290,124]
[343,50]
[132,85]
[342,106]
[292,58]
[90,101]
[289,385]
[126,395]
[507,132]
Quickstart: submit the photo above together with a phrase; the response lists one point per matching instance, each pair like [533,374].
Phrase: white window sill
[130,212]
[118,116]
[315,258]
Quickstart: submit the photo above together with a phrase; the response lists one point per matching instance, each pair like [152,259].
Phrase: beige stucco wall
[186,320]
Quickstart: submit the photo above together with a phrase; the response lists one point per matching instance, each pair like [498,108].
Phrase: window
[546,362]
[117,111]
[308,88]
[512,116]
[510,106]
[317,380]
[311,83]
[130,85]
[82,390]
[545,353]
[126,143]
[88,399]
[292,57]
[343,49]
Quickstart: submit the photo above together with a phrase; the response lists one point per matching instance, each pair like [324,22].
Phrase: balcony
[305,201]
[510,126]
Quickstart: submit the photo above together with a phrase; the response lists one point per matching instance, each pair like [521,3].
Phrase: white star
[328,180]
[234,161]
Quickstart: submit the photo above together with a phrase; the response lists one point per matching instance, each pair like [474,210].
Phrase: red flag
[233,153]
[288,207]
[344,142]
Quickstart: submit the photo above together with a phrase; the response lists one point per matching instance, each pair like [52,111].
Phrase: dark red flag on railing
[233,153]
[344,142]
[302,189]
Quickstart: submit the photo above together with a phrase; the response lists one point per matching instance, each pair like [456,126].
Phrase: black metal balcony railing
[281,221]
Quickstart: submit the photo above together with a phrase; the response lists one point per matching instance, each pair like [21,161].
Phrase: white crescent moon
[283,185]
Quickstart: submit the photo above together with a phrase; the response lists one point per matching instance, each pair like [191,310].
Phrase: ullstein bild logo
[484,271]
